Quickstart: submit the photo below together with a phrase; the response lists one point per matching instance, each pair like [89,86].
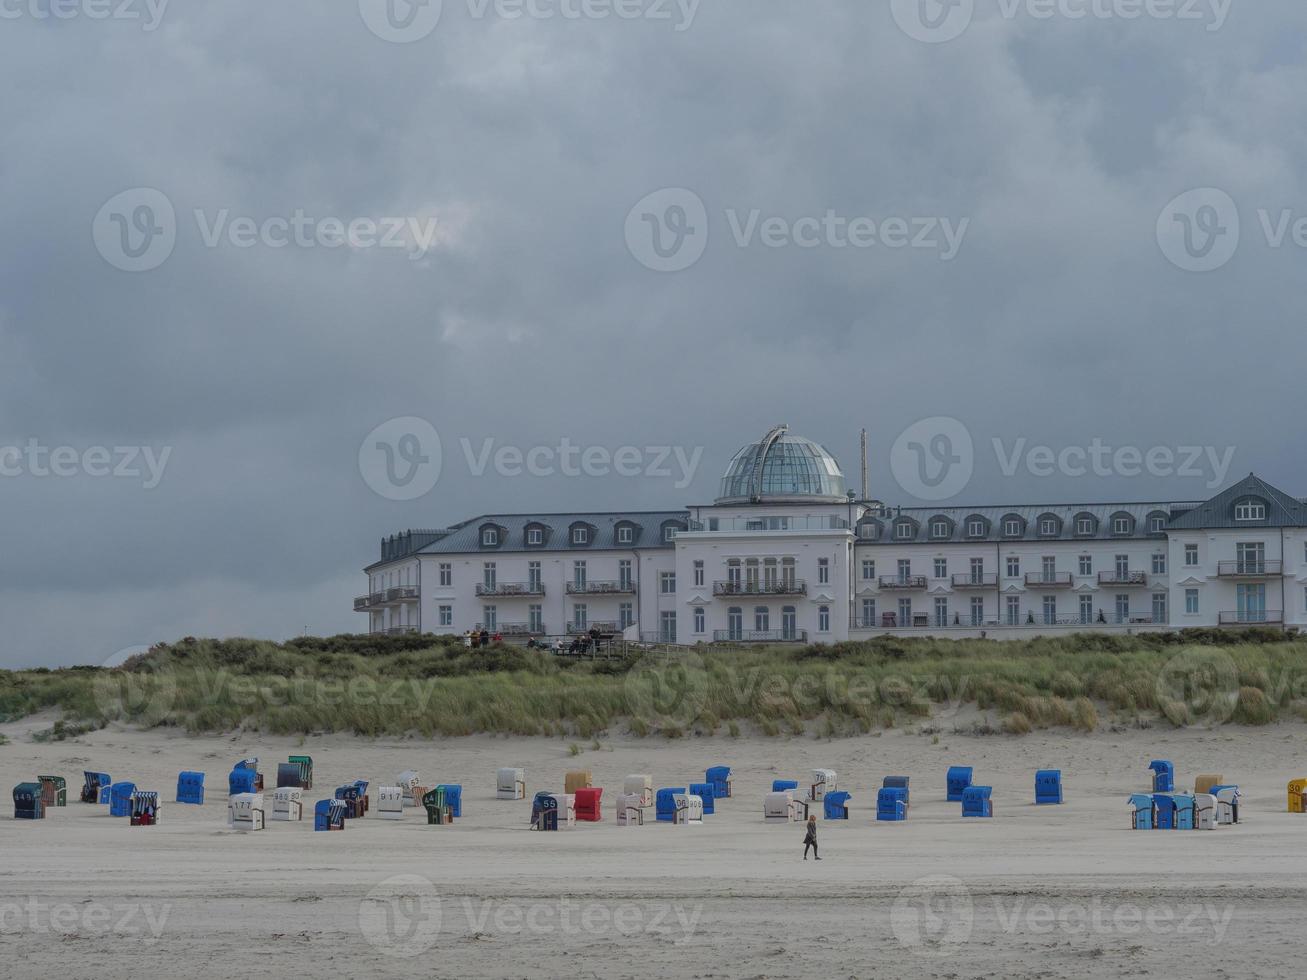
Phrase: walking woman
[810,840]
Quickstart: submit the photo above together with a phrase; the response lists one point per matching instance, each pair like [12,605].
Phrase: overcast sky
[964,224]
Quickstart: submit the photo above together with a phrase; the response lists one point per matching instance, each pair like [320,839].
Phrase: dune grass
[429,685]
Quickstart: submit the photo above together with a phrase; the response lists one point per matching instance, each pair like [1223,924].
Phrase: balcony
[898,582]
[1252,617]
[976,580]
[509,590]
[576,629]
[395,631]
[1123,579]
[1049,580]
[406,593]
[365,602]
[760,636]
[389,597]
[781,588]
[768,525]
[1249,568]
[601,588]
[517,629]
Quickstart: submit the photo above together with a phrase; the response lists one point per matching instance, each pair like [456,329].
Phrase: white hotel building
[787,554]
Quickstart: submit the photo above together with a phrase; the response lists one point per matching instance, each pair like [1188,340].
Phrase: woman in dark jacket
[810,840]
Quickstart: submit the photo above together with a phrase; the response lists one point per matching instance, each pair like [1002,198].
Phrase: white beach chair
[390,802]
[823,782]
[288,803]
[779,807]
[510,784]
[629,811]
[1204,811]
[408,781]
[640,785]
[689,809]
[246,811]
[1227,805]
[566,809]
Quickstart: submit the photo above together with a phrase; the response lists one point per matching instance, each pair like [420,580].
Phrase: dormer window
[625,534]
[1123,525]
[1086,526]
[1157,524]
[535,536]
[1049,526]
[904,532]
[490,537]
[976,528]
[940,529]
[580,535]
[1012,527]
[1250,510]
[868,532]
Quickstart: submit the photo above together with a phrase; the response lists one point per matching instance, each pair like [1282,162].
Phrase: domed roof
[782,468]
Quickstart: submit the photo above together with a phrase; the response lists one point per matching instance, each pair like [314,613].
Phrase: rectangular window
[1121,526]
[700,620]
[625,534]
[1250,510]
[580,618]
[1013,567]
[534,579]
[580,535]
[1191,556]
[1157,524]
[823,619]
[1048,527]
[490,537]
[903,532]
[667,583]
[1159,563]
[490,617]
[535,535]
[868,614]
[536,618]
[625,615]
[489,576]
[579,575]
[1191,602]
[667,627]
[823,571]
[1159,607]
[669,533]
[1123,609]
[977,571]
[977,611]
[939,529]
[1122,567]
[1014,610]
[446,575]
[1050,610]
[1050,569]
[762,619]
[1086,609]
[446,615]
[905,612]
[1085,526]
[624,579]
[976,529]
[941,568]
[1086,564]
[1012,528]
[941,613]
[698,576]
[868,569]
[1252,558]
[905,569]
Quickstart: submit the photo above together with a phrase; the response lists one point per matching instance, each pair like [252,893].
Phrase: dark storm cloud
[1059,320]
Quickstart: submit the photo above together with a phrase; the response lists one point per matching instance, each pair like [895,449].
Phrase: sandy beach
[1065,891]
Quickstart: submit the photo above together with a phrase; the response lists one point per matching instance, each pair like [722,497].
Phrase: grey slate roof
[465,538]
[995,517]
[1217,513]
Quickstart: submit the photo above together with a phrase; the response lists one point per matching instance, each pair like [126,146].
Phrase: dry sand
[1064,891]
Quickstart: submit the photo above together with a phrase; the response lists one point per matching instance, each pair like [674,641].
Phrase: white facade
[785,555]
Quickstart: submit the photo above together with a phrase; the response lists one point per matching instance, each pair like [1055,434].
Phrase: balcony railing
[396,631]
[903,582]
[783,587]
[766,525]
[1249,568]
[365,602]
[600,588]
[576,629]
[406,593]
[507,590]
[760,636]
[1251,617]
[1123,578]
[976,580]
[1049,580]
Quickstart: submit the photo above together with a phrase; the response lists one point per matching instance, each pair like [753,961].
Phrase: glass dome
[783,467]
